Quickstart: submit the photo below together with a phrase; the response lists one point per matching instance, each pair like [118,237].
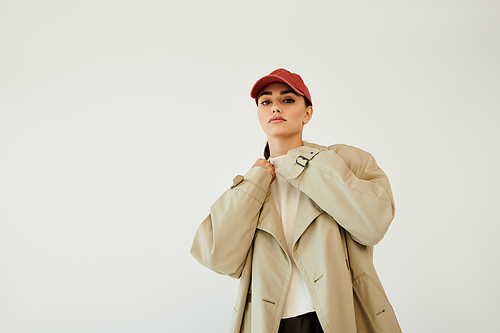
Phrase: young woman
[298,229]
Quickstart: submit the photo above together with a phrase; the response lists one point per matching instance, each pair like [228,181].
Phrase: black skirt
[306,323]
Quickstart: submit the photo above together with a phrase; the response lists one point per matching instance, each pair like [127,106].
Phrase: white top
[286,198]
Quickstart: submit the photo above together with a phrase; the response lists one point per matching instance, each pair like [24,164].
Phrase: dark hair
[308,102]
[267,153]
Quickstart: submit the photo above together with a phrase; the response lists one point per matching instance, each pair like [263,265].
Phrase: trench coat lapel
[307,211]
[270,221]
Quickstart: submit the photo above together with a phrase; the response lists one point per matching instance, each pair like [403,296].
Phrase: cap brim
[267,80]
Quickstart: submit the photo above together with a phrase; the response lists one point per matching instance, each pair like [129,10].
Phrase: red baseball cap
[284,76]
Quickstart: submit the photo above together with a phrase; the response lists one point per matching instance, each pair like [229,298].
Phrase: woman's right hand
[266,165]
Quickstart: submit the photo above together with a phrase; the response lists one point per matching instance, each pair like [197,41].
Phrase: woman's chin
[283,135]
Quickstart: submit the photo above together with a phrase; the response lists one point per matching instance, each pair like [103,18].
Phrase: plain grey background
[121,122]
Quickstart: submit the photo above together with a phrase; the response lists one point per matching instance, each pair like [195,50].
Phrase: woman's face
[282,113]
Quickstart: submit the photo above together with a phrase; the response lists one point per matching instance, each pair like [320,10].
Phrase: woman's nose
[276,108]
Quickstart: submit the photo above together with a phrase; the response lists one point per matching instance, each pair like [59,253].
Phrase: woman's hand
[266,165]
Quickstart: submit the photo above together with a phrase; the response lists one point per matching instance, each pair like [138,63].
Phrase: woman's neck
[279,147]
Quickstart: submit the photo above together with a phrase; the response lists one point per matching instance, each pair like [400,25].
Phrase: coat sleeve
[223,239]
[347,183]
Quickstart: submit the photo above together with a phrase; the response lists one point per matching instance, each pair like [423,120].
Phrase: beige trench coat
[342,188]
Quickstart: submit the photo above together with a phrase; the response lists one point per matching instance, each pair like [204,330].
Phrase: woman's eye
[288,100]
[265,102]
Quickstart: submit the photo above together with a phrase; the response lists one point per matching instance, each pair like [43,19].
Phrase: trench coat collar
[307,212]
[270,221]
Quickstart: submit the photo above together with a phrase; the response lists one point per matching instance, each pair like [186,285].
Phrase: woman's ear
[308,115]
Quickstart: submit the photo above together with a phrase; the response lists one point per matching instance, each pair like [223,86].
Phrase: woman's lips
[275,119]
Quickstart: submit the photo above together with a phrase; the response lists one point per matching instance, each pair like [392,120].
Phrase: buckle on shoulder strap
[302,158]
